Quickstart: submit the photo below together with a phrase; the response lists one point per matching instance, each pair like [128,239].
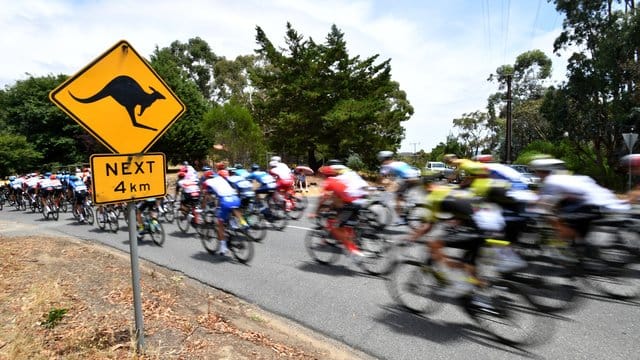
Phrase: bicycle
[51,208]
[272,210]
[167,205]
[152,227]
[255,219]
[107,215]
[238,241]
[86,210]
[326,249]
[502,307]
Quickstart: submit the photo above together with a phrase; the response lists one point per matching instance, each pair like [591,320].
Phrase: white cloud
[441,52]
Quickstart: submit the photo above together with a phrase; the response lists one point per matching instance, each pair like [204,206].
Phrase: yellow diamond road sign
[120,100]
[127,177]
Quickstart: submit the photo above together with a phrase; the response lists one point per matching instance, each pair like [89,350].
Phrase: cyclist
[240,170]
[228,204]
[243,186]
[405,175]
[79,195]
[188,191]
[266,185]
[577,199]
[344,190]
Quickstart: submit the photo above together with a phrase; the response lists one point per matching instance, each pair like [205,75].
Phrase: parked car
[529,177]
[438,167]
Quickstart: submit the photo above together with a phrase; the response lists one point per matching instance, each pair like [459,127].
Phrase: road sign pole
[630,140]
[135,275]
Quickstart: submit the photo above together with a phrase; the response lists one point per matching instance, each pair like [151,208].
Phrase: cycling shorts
[226,206]
[285,184]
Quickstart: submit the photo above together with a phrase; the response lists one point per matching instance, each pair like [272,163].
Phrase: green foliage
[54,317]
[351,104]
[233,126]
[17,155]
[354,162]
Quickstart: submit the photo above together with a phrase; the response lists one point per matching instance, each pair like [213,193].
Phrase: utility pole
[414,147]
[508,137]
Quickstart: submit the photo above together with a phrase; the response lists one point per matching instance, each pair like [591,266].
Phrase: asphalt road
[352,307]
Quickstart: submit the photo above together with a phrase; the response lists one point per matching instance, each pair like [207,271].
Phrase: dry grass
[42,277]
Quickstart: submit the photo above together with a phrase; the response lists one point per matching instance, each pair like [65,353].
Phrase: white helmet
[276,158]
[547,164]
[273,163]
[385,155]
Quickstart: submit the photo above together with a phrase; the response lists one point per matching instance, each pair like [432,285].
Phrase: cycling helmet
[546,164]
[449,158]
[328,171]
[273,163]
[47,174]
[238,166]
[385,155]
[255,167]
[276,158]
[224,173]
[12,178]
[52,177]
[208,174]
[334,162]
[185,163]
[206,168]
[220,166]
[181,175]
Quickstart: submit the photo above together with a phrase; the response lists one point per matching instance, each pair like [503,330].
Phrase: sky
[441,52]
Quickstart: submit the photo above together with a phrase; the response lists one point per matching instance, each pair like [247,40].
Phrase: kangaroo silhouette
[128,93]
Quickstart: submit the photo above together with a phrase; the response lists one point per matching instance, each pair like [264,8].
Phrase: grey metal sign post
[630,140]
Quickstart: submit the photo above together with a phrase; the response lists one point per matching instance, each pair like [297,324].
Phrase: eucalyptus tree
[527,77]
[598,99]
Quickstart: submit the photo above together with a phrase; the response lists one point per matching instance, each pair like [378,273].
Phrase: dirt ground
[64,298]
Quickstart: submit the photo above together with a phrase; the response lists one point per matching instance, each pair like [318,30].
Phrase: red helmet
[220,165]
[327,171]
[224,173]
[208,174]
[181,175]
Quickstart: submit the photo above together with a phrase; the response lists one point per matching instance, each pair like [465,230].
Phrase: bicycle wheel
[506,313]
[299,204]
[411,285]
[88,215]
[257,226]
[156,232]
[114,225]
[615,272]
[277,215]
[376,249]
[55,211]
[102,219]
[378,215]
[240,245]
[321,247]
[182,218]
[64,205]
[169,212]
[416,215]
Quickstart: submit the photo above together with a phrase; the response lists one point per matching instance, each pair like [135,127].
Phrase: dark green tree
[17,155]
[314,99]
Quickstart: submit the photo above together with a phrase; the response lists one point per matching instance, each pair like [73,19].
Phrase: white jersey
[282,171]
[32,182]
[219,186]
[356,185]
[582,187]
[189,186]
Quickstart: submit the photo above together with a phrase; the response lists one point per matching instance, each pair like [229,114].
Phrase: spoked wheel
[55,212]
[114,226]
[277,217]
[412,286]
[241,246]
[102,219]
[615,273]
[321,247]
[209,238]
[416,215]
[299,205]
[378,215]
[156,231]
[376,249]
[168,205]
[505,312]
[182,219]
[64,205]
[549,287]
[257,226]
[88,215]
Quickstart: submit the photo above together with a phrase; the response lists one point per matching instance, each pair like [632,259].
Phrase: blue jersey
[242,172]
[400,170]
[266,181]
[78,186]
[242,185]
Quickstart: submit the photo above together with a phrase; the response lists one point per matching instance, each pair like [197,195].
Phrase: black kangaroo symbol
[128,93]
